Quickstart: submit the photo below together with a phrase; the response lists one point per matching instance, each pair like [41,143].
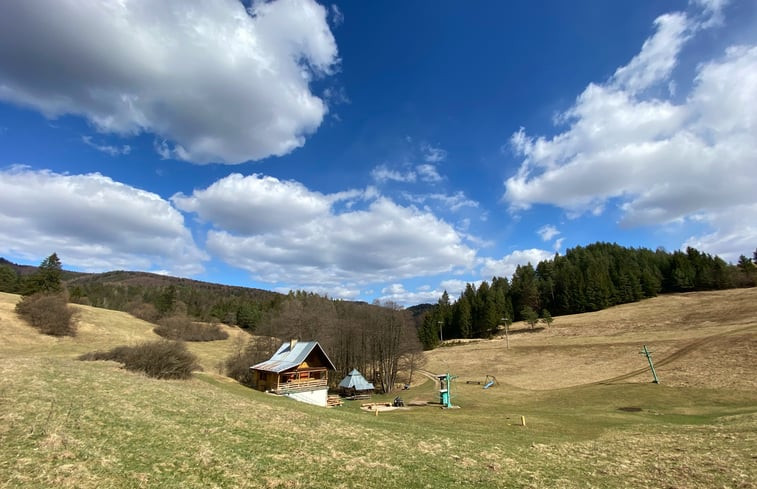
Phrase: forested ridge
[150,296]
[584,279]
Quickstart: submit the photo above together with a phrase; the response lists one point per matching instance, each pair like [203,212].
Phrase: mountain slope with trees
[585,279]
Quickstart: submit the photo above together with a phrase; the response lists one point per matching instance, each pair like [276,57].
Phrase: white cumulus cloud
[216,82]
[255,204]
[280,231]
[505,266]
[93,223]
[454,287]
[397,293]
[659,160]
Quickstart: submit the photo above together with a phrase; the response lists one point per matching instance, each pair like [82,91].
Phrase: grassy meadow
[71,424]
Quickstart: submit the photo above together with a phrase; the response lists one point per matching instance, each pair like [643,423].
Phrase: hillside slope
[98,329]
[586,348]
[71,424]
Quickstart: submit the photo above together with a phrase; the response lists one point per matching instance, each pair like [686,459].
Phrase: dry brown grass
[587,348]
[98,329]
[70,424]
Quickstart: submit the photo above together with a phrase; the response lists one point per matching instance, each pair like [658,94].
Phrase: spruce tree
[47,279]
[546,318]
[463,317]
[529,316]
[8,279]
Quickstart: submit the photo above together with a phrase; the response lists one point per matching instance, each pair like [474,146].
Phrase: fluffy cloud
[93,223]
[658,55]
[311,242]
[735,232]
[396,293]
[505,267]
[455,287]
[255,204]
[659,160]
[219,83]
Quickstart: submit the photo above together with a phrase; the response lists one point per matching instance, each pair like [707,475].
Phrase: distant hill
[150,280]
[418,313]
[420,309]
[89,282]
[162,294]
[24,270]
[143,279]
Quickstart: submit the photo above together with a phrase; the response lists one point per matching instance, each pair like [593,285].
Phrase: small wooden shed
[298,370]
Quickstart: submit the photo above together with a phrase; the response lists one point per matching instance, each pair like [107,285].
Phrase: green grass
[71,424]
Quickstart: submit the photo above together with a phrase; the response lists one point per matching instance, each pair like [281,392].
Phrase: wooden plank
[371,405]
[333,401]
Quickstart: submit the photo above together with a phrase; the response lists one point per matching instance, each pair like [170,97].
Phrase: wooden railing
[300,385]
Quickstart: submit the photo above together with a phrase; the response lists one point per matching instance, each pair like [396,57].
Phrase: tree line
[584,279]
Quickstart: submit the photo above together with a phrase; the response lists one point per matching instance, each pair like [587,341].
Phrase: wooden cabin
[298,370]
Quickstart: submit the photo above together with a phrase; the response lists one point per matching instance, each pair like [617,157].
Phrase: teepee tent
[355,382]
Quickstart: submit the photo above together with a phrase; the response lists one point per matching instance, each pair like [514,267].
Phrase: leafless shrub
[182,328]
[160,359]
[49,313]
[237,365]
[118,354]
[143,310]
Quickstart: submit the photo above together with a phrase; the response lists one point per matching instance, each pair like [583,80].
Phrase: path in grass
[675,356]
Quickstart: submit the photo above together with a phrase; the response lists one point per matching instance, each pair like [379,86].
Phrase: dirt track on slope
[674,356]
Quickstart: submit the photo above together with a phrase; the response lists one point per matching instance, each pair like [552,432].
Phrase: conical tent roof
[356,381]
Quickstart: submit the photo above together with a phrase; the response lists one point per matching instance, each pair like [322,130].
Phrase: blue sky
[372,150]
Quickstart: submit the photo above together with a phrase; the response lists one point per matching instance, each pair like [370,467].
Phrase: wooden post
[523,421]
[648,354]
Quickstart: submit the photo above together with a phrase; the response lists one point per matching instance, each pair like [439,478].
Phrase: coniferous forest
[584,279]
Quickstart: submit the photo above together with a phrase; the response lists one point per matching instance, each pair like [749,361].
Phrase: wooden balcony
[301,385]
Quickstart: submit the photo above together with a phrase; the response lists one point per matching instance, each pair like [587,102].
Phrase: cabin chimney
[292,342]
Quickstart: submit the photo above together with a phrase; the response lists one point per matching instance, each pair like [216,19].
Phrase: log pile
[333,401]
